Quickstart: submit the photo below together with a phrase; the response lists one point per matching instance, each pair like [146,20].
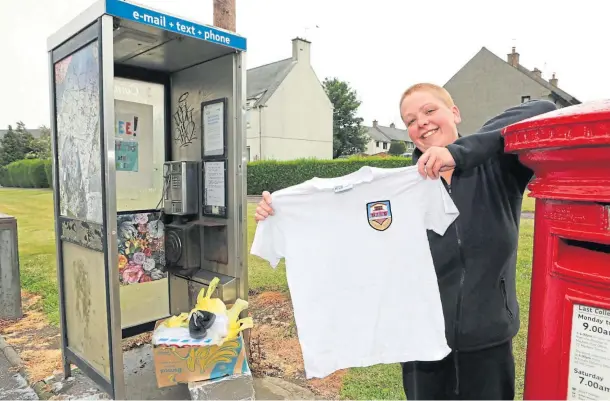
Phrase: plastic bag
[225,325]
[205,301]
[164,335]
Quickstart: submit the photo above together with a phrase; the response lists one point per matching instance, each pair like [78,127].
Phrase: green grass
[529,204]
[524,277]
[34,211]
[261,276]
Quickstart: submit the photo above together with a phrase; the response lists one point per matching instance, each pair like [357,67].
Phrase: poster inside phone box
[174,365]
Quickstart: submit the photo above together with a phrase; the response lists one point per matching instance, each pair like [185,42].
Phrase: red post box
[568,344]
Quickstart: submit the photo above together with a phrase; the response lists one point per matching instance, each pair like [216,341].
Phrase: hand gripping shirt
[359,267]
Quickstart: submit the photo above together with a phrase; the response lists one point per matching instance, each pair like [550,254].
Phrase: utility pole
[224,14]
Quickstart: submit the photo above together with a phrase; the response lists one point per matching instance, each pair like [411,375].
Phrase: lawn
[34,211]
[36,229]
[529,204]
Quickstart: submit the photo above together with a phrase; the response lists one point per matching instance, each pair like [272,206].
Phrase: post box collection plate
[589,353]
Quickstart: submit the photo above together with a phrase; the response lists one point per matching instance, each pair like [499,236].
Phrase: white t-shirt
[359,268]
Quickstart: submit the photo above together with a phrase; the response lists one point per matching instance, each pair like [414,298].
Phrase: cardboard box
[175,364]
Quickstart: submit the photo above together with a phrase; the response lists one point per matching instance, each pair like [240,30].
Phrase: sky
[379,47]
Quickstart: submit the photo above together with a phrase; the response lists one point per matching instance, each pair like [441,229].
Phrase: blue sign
[122,9]
[126,154]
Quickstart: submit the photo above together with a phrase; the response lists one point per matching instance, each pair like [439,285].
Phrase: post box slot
[583,259]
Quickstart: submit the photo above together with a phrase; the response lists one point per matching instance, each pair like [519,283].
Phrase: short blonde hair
[439,91]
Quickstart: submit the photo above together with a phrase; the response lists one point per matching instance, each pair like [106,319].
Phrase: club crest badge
[379,215]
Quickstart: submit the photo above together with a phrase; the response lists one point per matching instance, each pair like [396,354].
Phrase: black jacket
[475,260]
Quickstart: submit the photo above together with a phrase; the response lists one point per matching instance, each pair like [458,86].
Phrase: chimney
[553,81]
[392,125]
[513,58]
[375,123]
[224,14]
[537,72]
[300,50]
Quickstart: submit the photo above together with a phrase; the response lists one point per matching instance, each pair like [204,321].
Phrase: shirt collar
[362,175]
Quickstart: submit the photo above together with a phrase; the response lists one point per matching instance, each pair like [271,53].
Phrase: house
[289,115]
[381,138]
[36,133]
[487,85]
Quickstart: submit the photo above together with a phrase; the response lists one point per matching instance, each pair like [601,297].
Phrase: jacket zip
[458,311]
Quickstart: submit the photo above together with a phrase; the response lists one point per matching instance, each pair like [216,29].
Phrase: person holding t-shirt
[475,260]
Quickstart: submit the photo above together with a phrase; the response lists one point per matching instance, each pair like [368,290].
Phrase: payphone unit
[181,181]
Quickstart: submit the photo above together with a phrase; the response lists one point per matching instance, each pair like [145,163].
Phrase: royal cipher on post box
[568,345]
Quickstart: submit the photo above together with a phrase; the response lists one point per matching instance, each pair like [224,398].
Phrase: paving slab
[13,385]
[273,388]
[141,384]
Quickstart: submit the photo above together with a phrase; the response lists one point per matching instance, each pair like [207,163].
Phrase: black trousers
[488,374]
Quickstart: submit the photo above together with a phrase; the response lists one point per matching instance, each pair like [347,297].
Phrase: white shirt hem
[378,360]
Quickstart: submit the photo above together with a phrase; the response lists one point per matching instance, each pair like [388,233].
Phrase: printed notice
[214,186]
[213,129]
[126,155]
[589,376]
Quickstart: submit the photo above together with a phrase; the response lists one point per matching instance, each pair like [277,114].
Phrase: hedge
[271,176]
[28,173]
[264,175]
[48,171]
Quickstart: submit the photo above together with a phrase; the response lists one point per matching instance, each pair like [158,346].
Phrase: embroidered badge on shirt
[379,215]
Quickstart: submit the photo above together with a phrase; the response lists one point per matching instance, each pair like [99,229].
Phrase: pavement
[13,385]
[140,382]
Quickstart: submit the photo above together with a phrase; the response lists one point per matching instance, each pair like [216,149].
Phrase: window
[525,99]
[385,145]
[377,144]
[248,150]
[138,187]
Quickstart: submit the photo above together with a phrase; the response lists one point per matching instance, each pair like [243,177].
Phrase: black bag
[200,322]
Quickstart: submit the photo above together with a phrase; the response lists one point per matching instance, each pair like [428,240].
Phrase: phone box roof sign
[164,14]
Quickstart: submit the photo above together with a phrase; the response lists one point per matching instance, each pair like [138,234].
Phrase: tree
[349,136]
[16,145]
[11,147]
[41,147]
[25,135]
[397,148]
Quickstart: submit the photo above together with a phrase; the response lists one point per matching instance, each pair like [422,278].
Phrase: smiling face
[430,119]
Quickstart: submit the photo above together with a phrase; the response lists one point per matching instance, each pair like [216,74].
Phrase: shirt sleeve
[268,241]
[441,211]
